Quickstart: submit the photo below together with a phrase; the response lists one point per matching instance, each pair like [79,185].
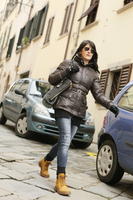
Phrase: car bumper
[46,125]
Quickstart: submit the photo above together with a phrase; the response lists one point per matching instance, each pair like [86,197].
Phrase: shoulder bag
[50,98]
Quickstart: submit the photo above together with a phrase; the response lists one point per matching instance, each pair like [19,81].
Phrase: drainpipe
[70,32]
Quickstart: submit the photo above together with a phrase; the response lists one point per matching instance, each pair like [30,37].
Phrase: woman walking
[71,106]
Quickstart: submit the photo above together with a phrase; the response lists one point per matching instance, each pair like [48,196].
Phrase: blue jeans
[67,130]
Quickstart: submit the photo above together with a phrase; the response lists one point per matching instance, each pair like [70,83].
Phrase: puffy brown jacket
[73,99]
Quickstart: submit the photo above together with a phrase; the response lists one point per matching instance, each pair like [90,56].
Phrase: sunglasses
[88,49]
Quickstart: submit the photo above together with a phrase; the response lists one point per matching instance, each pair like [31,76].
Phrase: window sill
[63,35]
[8,58]
[45,44]
[36,38]
[125,7]
[23,47]
[90,25]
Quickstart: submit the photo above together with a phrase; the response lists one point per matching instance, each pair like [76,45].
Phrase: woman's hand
[114,109]
[73,68]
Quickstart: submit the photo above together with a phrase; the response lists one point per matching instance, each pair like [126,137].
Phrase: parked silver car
[22,104]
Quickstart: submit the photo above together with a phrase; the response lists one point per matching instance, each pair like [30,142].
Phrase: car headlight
[89,121]
[40,109]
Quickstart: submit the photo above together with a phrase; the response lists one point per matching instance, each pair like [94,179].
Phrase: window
[27,31]
[9,7]
[24,86]
[5,38]
[92,15]
[3,43]
[39,88]
[66,20]
[33,28]
[38,23]
[114,86]
[8,35]
[126,101]
[25,74]
[16,86]
[103,79]
[91,12]
[19,43]
[127,1]
[24,35]
[48,32]
[10,47]
[119,79]
[7,85]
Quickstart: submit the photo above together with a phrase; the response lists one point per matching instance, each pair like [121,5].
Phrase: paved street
[20,180]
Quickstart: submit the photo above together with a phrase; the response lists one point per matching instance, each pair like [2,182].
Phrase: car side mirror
[19,92]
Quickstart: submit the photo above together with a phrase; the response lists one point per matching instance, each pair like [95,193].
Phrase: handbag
[50,98]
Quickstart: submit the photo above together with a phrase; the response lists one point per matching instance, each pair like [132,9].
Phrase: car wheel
[21,127]
[82,145]
[107,166]
[2,117]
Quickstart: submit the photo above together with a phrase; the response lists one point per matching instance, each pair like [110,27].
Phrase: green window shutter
[124,76]
[66,20]
[103,79]
[43,20]
[1,48]
[127,1]
[3,42]
[20,37]
[33,27]
[27,29]
[8,35]
[48,32]
[38,23]
[10,47]
[93,5]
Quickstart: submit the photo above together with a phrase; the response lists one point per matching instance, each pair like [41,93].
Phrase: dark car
[22,104]
[115,140]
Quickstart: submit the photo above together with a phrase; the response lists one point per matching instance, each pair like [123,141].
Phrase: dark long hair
[93,61]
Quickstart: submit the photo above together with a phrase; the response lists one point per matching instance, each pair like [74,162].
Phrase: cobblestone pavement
[20,179]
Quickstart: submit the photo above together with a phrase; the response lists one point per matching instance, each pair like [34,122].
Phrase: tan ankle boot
[44,164]
[61,187]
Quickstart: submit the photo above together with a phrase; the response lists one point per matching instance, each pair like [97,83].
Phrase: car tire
[81,145]
[107,166]
[3,119]
[21,127]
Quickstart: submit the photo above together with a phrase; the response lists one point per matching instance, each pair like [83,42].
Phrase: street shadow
[39,137]
[10,126]
[125,186]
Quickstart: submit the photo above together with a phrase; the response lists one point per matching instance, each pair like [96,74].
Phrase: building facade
[35,36]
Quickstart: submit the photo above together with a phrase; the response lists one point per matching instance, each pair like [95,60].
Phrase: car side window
[39,88]
[24,86]
[15,86]
[126,101]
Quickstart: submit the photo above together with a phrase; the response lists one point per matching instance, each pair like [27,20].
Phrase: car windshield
[39,88]
[126,101]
